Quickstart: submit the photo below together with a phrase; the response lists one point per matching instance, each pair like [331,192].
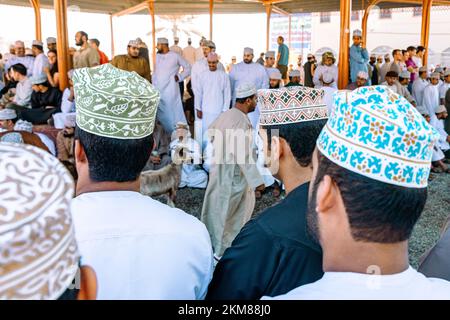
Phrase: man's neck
[108,186]
[366,258]
[293,174]
[84,46]
[241,108]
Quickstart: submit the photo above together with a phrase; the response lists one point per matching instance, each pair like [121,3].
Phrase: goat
[164,181]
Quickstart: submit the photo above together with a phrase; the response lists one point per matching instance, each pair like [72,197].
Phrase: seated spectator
[367,198]
[40,258]
[329,90]
[392,81]
[65,142]
[45,101]
[437,122]
[67,105]
[23,57]
[52,70]
[186,151]
[403,82]
[361,80]
[22,97]
[8,91]
[160,157]
[326,66]
[294,79]
[275,79]
[8,119]
[26,126]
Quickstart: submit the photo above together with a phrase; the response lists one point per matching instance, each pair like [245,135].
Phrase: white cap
[38,79]
[270,54]
[363,75]
[19,43]
[176,39]
[294,73]
[248,50]
[357,33]
[38,43]
[387,56]
[163,41]
[133,43]
[189,39]
[447,72]
[245,90]
[440,108]
[423,69]
[51,40]
[405,75]
[439,69]
[23,125]
[8,114]
[310,55]
[275,75]
[435,75]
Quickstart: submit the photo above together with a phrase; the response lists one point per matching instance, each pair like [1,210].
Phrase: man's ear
[88,284]
[275,148]
[80,155]
[327,194]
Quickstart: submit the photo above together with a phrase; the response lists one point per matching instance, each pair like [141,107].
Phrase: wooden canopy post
[365,20]
[112,35]
[425,33]
[151,8]
[37,18]
[268,13]
[211,9]
[344,45]
[60,7]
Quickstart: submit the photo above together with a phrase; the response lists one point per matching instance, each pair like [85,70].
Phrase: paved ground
[425,234]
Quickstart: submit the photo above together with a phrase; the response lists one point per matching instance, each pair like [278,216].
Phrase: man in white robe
[176,48]
[213,94]
[431,95]
[40,59]
[270,62]
[189,53]
[444,87]
[230,199]
[199,50]
[249,72]
[166,78]
[392,81]
[419,85]
[438,123]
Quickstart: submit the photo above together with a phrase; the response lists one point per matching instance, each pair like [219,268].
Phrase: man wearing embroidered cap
[419,85]
[359,56]
[430,98]
[230,199]
[403,81]
[437,121]
[445,86]
[176,48]
[189,53]
[361,81]
[132,61]
[294,79]
[20,57]
[213,95]
[275,79]
[140,248]
[40,59]
[36,218]
[8,118]
[270,62]
[249,72]
[167,78]
[51,43]
[370,172]
[273,254]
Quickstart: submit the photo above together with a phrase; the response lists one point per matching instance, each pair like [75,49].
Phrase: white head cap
[357,33]
[294,73]
[23,125]
[248,50]
[440,108]
[163,41]
[133,43]
[38,43]
[8,114]
[270,54]
[51,40]
[405,75]
[275,75]
[245,90]
[435,75]
[363,75]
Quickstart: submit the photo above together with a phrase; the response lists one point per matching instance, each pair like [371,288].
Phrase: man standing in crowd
[273,253]
[166,79]
[385,67]
[363,214]
[359,56]
[308,67]
[153,251]
[176,48]
[213,95]
[189,53]
[95,44]
[419,85]
[51,44]
[404,79]
[86,57]
[270,62]
[375,73]
[230,196]
[261,59]
[431,95]
[40,59]
[132,61]
[396,65]
[282,57]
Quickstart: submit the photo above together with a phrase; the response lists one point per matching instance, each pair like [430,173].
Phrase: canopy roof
[173,7]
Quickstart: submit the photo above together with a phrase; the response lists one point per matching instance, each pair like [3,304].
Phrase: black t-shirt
[271,255]
[52,97]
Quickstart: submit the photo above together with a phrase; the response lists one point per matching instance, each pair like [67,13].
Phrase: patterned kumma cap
[114,103]
[380,135]
[291,105]
[38,252]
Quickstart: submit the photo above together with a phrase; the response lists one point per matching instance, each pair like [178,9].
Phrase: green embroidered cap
[114,103]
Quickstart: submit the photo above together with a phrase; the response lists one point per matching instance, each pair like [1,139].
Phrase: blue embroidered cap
[380,135]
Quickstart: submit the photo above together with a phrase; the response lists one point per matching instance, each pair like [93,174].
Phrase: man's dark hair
[40,48]
[54,69]
[301,138]
[411,48]
[395,52]
[377,212]
[420,48]
[115,160]
[281,37]
[20,68]
[84,34]
[404,51]
[392,74]
[242,100]
[97,43]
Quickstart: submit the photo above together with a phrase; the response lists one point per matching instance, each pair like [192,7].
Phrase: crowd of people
[354,167]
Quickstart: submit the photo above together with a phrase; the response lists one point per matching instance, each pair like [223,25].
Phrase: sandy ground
[425,234]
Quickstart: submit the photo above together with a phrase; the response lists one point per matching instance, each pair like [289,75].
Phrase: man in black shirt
[273,253]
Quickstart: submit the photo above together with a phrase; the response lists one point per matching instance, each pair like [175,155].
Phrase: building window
[417,11]
[325,17]
[355,15]
[385,13]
